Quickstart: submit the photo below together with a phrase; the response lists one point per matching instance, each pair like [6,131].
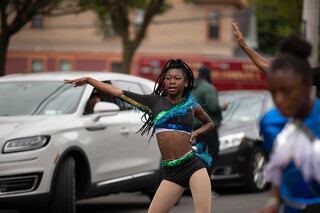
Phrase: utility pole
[310,27]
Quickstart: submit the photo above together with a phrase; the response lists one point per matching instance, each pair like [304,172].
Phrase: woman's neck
[174,99]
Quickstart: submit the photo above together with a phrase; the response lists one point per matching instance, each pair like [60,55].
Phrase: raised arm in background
[262,63]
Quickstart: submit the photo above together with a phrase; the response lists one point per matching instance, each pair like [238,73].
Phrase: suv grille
[19,183]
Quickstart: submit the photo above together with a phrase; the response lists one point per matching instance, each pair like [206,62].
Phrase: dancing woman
[168,113]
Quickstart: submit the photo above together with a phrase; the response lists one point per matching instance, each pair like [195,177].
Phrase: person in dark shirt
[207,96]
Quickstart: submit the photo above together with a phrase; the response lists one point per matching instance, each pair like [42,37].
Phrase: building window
[37,20]
[139,15]
[65,65]
[213,18]
[115,67]
[110,29]
[37,66]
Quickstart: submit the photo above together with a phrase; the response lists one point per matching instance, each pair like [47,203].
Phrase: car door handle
[95,128]
[124,131]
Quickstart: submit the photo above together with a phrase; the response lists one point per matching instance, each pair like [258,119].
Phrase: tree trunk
[127,54]
[4,43]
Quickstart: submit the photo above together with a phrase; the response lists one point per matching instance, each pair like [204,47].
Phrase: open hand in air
[238,35]
[77,82]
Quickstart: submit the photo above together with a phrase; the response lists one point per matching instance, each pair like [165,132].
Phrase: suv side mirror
[102,107]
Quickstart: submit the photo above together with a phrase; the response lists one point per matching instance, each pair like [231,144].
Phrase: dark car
[241,158]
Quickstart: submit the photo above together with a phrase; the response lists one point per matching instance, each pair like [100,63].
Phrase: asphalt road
[228,201]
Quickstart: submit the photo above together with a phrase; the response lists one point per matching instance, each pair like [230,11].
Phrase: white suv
[56,150]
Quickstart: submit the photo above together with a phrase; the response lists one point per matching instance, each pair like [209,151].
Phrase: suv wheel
[257,180]
[64,192]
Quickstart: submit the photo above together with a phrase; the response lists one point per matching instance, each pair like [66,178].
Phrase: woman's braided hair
[294,53]
[159,89]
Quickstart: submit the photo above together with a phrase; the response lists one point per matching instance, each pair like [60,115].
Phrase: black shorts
[181,173]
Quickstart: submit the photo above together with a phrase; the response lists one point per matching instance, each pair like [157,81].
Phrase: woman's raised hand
[237,33]
[77,82]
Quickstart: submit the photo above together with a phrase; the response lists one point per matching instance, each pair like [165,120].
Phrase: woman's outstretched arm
[262,63]
[104,87]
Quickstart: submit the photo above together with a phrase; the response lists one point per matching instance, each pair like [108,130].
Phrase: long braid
[159,89]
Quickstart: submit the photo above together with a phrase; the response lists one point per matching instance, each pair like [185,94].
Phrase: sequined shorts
[179,171]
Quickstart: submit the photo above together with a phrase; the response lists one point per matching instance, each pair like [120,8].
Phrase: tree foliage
[119,12]
[14,14]
[276,20]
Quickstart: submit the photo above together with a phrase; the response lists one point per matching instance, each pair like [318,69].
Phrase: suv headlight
[230,141]
[25,144]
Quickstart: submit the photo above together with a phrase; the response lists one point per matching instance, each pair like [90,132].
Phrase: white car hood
[25,126]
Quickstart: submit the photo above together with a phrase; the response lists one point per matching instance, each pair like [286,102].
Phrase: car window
[130,86]
[38,98]
[99,96]
[271,104]
[146,89]
[242,109]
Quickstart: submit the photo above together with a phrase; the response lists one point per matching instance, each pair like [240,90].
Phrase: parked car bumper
[231,167]
[26,173]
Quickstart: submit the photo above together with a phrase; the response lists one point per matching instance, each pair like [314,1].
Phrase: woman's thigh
[200,187]
[166,197]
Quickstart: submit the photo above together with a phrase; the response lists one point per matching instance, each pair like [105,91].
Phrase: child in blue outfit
[294,144]
[292,184]
[271,125]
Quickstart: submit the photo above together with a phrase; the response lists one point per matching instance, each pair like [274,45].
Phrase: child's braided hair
[159,89]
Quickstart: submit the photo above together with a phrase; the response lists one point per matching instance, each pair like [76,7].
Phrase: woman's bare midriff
[173,144]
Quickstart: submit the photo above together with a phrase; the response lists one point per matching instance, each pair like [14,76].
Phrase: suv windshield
[242,108]
[38,98]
